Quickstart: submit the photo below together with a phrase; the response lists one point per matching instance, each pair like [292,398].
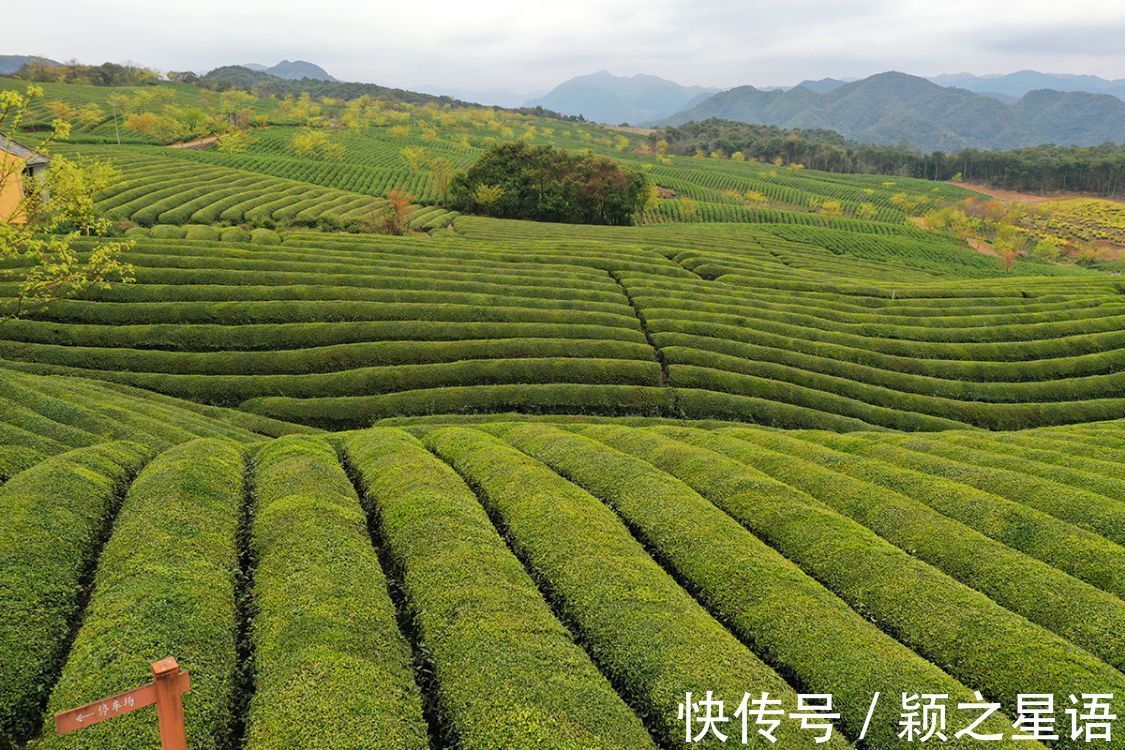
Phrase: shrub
[767,601]
[485,628]
[167,232]
[165,586]
[234,234]
[608,589]
[324,631]
[1084,509]
[1080,553]
[1010,655]
[56,515]
[1073,609]
[201,232]
[262,236]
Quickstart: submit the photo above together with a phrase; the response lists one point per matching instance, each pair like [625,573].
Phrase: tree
[396,221]
[441,175]
[415,157]
[315,144]
[234,142]
[544,183]
[486,196]
[37,235]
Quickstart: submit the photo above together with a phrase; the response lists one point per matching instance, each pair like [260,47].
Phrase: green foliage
[262,236]
[324,630]
[584,556]
[522,181]
[1011,655]
[165,586]
[56,515]
[506,671]
[759,595]
[234,234]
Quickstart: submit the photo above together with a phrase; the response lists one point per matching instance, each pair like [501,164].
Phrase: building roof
[15,148]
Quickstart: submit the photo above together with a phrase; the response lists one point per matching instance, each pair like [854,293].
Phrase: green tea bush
[262,236]
[324,630]
[167,232]
[506,671]
[608,588]
[56,515]
[165,586]
[1011,656]
[764,599]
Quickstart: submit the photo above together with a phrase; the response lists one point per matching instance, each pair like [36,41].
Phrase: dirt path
[197,143]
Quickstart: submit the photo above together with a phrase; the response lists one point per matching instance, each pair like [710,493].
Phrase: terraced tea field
[499,484]
[794,327]
[439,586]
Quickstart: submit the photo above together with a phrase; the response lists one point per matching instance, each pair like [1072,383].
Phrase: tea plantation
[500,484]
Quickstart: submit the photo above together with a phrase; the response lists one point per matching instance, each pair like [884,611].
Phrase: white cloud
[533,45]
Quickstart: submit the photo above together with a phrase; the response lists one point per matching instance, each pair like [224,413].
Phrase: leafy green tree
[544,183]
[38,232]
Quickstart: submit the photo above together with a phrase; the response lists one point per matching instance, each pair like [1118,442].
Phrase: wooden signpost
[167,686]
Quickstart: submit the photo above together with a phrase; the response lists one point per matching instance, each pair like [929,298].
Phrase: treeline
[1089,169]
[106,74]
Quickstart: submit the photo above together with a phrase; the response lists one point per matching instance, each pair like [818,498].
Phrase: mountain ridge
[604,97]
[892,107]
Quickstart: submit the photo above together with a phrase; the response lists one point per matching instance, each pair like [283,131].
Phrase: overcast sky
[525,45]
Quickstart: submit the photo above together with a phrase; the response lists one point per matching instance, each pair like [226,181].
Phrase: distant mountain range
[603,97]
[894,107]
[1014,85]
[12,63]
[292,70]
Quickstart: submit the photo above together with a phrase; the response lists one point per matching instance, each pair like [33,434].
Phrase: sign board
[168,684]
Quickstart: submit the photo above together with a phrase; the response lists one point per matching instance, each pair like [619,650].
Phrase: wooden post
[170,704]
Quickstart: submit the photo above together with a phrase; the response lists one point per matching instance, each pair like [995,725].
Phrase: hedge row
[271,336]
[784,391]
[706,350]
[694,403]
[1073,609]
[251,288]
[1015,361]
[964,311]
[298,311]
[80,412]
[506,672]
[324,358]
[56,515]
[1063,469]
[16,458]
[940,343]
[875,404]
[324,630]
[165,586]
[948,326]
[766,600]
[920,606]
[1079,507]
[1080,553]
[647,634]
[351,412]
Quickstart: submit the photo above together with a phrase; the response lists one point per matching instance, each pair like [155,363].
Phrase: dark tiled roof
[18,149]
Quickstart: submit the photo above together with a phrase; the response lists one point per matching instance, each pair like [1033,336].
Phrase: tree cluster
[106,74]
[542,183]
[1048,168]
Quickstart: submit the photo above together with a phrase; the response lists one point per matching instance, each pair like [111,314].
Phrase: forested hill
[894,107]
